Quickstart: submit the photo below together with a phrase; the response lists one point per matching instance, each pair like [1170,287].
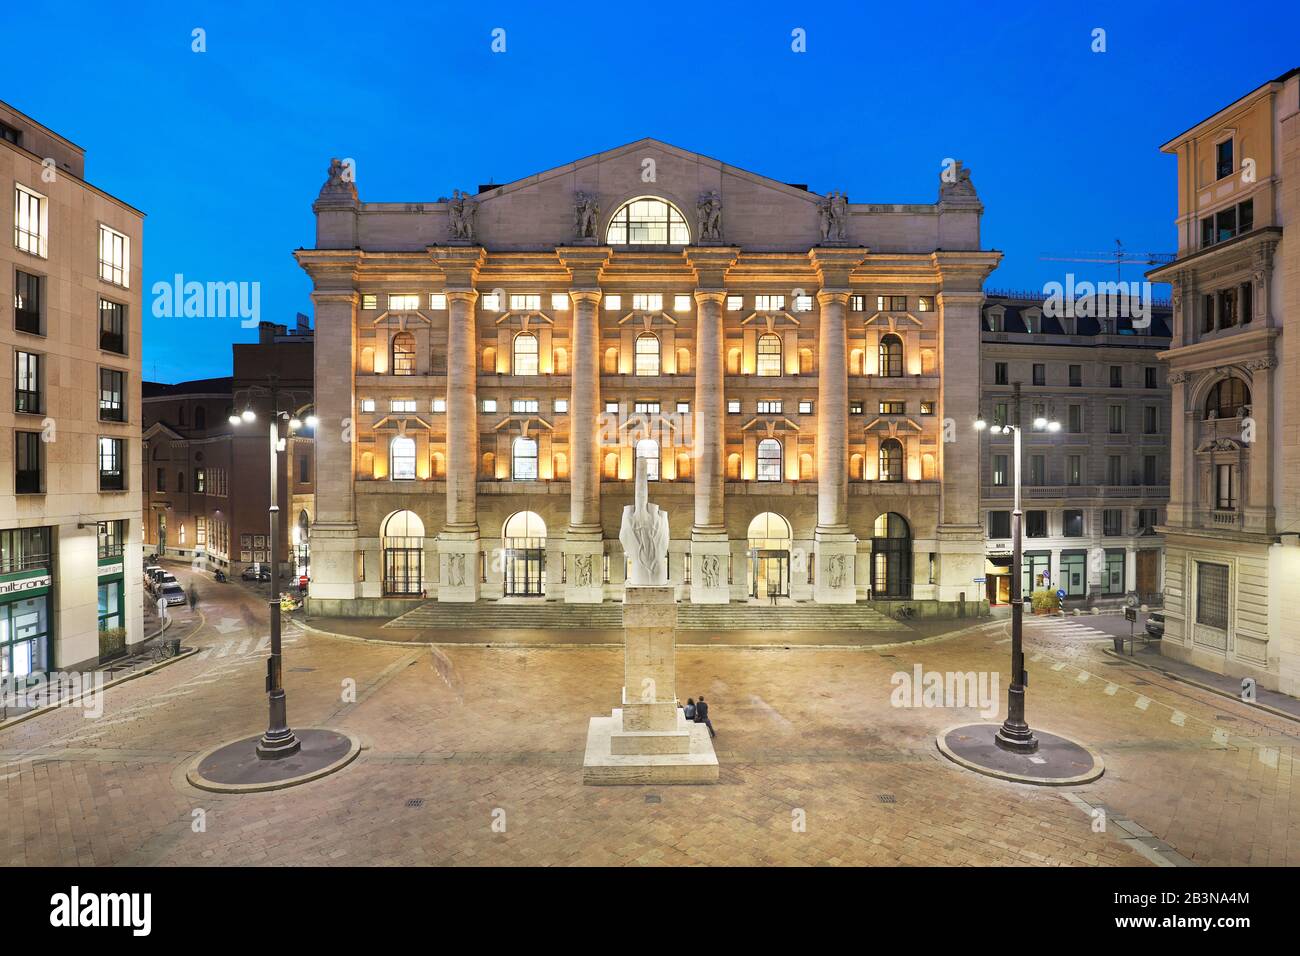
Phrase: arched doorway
[524,540]
[302,545]
[402,541]
[891,558]
[769,556]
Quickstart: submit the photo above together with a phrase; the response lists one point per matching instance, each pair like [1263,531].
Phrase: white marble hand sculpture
[644,536]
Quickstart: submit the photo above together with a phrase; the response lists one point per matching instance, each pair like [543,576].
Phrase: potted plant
[1044,601]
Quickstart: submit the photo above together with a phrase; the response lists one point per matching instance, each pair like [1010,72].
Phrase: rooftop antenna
[1119,258]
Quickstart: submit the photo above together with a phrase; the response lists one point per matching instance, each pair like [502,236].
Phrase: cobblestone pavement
[473,756]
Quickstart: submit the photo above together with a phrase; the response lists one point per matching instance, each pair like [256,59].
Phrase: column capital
[835,265]
[833,297]
[711,264]
[459,264]
[346,296]
[586,295]
[462,295]
[964,271]
[585,263]
[716,296]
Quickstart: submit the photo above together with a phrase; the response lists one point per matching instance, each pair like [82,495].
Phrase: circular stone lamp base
[1058,762]
[235,767]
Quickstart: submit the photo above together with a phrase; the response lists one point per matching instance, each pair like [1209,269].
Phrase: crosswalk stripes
[1070,630]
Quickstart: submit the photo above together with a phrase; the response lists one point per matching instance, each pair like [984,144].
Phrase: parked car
[173,594]
[256,574]
[1156,625]
[149,572]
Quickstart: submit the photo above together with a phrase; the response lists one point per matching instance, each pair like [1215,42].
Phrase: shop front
[112,620]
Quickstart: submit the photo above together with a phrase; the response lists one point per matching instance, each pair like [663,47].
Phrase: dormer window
[648,221]
[997,320]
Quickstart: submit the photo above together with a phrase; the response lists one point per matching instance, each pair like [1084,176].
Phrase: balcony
[1079,491]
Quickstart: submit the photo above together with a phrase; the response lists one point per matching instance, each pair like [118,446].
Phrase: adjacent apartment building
[1094,492]
[1233,527]
[69,447]
[490,368]
[206,477]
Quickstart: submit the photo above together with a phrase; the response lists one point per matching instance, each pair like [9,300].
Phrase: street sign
[1060,592]
[978,580]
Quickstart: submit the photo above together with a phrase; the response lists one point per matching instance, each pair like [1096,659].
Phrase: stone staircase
[609,616]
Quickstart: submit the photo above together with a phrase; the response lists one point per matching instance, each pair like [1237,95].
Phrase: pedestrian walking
[194,598]
[702,715]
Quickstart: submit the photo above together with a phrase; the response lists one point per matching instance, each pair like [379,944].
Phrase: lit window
[31,223]
[525,354]
[891,356]
[733,407]
[440,405]
[367,404]
[683,408]
[925,303]
[927,408]
[646,408]
[403,303]
[562,406]
[769,407]
[769,303]
[403,354]
[523,459]
[489,404]
[769,460]
[438,301]
[769,354]
[401,405]
[370,302]
[735,303]
[523,405]
[647,302]
[648,449]
[613,303]
[491,302]
[681,303]
[855,408]
[891,303]
[805,408]
[891,460]
[647,354]
[560,301]
[893,408]
[114,257]
[401,458]
[857,303]
[803,303]
[525,303]
[647,222]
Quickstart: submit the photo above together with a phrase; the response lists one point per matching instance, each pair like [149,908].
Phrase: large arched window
[769,460]
[523,459]
[648,221]
[891,460]
[647,354]
[524,537]
[891,558]
[648,449]
[402,540]
[401,458]
[1226,398]
[769,354]
[891,355]
[403,354]
[525,354]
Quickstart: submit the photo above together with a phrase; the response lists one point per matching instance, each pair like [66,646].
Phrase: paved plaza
[473,755]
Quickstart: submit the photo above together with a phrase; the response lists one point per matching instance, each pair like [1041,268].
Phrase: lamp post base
[275,746]
[1019,740]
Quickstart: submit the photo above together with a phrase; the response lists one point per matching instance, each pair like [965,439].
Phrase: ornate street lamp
[1014,734]
[279,740]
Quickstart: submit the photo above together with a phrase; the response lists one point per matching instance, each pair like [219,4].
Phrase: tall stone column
[709,549]
[458,544]
[1182,502]
[960,532]
[834,547]
[584,539]
[334,532]
[1256,495]
[710,555]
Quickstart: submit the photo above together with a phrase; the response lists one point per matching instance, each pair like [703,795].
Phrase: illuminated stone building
[489,367]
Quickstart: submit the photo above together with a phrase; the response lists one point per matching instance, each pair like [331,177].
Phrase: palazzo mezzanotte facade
[489,368]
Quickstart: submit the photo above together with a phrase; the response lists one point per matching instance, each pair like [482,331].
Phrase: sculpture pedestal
[648,740]
[458,566]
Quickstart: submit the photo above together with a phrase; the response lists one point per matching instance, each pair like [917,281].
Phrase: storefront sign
[25,584]
[110,566]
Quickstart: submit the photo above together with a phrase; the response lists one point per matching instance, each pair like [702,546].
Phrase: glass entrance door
[523,572]
[770,574]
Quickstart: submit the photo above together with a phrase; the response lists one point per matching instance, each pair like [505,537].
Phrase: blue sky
[225,150]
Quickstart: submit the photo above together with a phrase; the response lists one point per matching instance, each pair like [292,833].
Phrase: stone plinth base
[835,555]
[458,567]
[710,558]
[585,578]
[616,757]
